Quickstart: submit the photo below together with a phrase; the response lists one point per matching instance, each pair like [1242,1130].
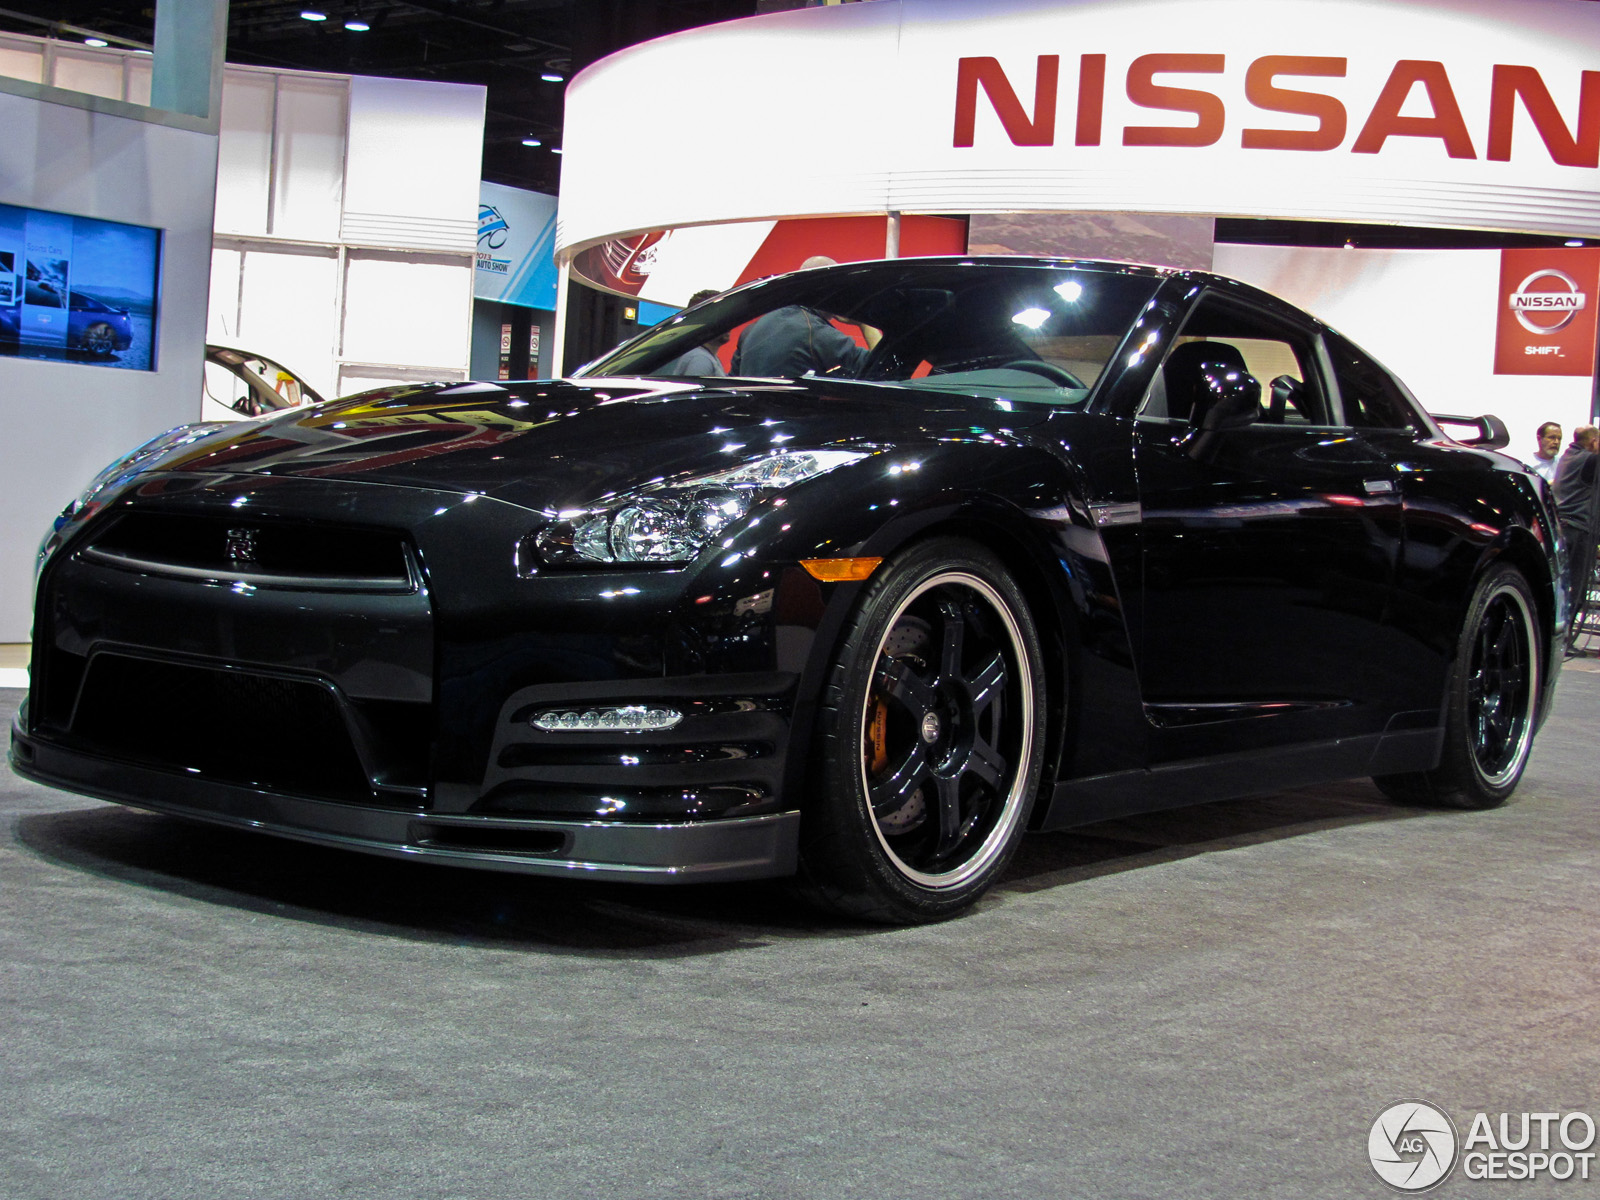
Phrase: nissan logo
[1562,305]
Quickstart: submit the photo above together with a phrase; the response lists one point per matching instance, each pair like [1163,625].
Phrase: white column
[558,352]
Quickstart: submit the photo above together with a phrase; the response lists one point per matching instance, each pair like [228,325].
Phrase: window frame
[1418,423]
[1294,330]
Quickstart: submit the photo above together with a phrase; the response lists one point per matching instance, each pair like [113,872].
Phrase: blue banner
[516,243]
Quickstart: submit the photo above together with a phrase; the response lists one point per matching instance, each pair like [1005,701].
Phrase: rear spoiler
[1488,431]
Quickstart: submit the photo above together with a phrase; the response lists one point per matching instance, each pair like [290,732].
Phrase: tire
[1492,705]
[99,340]
[929,743]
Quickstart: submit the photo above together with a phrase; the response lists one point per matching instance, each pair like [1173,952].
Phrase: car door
[1269,551]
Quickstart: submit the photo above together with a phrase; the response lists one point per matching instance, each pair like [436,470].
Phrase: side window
[1370,397]
[1280,355]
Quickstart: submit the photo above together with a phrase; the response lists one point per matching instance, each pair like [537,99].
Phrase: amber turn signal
[840,570]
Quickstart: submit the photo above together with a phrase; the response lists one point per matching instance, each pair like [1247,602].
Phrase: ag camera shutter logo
[1561,305]
[1412,1145]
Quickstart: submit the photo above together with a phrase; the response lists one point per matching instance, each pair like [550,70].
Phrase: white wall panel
[289,311]
[62,422]
[222,312]
[85,71]
[244,167]
[415,158]
[309,179]
[402,310]
[21,60]
[359,377]
[137,67]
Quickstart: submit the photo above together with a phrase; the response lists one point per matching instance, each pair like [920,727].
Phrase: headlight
[113,476]
[674,523]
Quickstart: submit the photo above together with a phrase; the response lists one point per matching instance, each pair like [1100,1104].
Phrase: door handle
[1375,487]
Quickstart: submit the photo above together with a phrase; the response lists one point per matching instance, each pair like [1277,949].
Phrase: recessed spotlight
[531,141]
[96,42]
[553,77]
[311,14]
[1575,242]
[555,149]
[356,25]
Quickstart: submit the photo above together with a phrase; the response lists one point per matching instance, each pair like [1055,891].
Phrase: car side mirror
[1237,404]
[1487,431]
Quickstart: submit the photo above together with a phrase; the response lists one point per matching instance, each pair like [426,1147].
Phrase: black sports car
[996,544]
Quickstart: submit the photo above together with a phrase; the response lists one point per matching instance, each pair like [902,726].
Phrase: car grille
[264,554]
[237,726]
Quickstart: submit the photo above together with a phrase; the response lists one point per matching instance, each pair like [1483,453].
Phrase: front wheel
[930,740]
[1492,705]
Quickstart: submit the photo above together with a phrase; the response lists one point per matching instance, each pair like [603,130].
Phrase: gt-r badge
[240,547]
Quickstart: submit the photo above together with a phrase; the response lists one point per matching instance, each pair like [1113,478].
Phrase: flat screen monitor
[78,289]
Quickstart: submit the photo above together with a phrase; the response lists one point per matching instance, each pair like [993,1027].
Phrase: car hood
[553,445]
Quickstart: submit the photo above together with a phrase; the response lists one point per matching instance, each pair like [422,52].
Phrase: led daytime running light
[626,718]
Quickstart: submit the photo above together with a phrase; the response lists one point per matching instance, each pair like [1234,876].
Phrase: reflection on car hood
[561,444]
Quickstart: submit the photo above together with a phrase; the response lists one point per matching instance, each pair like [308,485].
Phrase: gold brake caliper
[878,734]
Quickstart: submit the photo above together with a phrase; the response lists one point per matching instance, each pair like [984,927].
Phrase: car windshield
[1040,333]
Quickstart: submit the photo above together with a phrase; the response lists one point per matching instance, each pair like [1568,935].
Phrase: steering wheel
[1055,374]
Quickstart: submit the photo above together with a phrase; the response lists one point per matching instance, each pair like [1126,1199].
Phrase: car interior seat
[1288,401]
[1192,373]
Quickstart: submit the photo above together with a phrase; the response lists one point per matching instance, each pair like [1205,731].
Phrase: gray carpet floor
[1209,1003]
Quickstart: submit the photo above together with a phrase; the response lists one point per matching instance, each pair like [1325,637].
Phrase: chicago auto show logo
[1556,306]
[1412,1145]
[493,229]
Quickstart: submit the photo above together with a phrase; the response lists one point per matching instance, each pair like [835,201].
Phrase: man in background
[1577,486]
[793,341]
[703,360]
[1548,453]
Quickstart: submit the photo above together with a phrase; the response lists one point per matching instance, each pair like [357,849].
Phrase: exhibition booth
[1060,124]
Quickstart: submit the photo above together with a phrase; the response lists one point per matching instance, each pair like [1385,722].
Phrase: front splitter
[733,848]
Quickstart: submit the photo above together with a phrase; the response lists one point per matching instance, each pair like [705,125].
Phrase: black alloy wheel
[930,742]
[1492,706]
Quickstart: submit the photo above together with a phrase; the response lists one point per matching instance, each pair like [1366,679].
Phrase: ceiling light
[96,42]
[1575,242]
[555,149]
[311,14]
[553,77]
[530,140]
[356,25]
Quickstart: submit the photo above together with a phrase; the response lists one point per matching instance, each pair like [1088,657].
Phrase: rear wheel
[1492,706]
[929,740]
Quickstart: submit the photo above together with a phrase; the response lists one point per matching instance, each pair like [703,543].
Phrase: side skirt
[1249,773]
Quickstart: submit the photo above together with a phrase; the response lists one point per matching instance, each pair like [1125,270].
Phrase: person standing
[1548,454]
[1577,486]
[794,340]
[702,360]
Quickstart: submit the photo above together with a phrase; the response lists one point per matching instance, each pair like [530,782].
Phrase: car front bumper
[659,852]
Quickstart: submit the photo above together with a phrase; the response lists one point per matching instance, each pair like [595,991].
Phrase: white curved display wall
[1453,113]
